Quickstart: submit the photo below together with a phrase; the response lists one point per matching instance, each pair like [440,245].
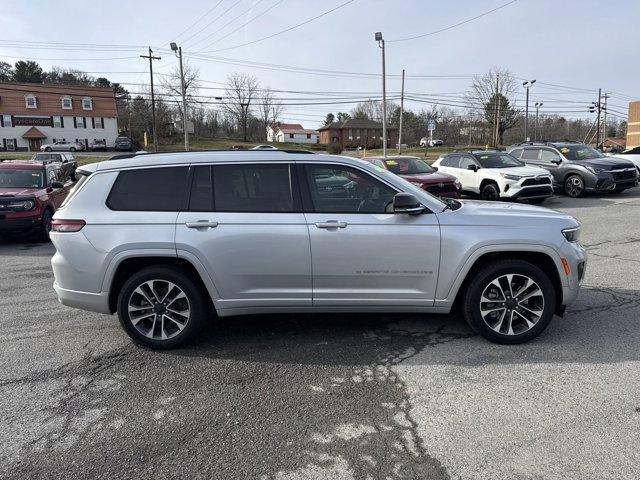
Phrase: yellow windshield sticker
[565,150]
[391,162]
[484,157]
[378,168]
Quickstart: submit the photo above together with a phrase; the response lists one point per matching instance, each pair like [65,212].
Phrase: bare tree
[172,86]
[270,109]
[241,90]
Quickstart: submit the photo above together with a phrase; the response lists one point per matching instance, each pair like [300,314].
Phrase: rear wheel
[509,301]
[574,186]
[161,308]
[490,191]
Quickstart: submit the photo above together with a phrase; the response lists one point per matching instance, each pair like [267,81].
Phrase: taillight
[67,226]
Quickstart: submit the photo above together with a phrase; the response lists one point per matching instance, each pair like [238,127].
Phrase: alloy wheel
[490,193]
[574,187]
[159,309]
[512,304]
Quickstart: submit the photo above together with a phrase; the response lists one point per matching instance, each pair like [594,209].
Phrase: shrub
[334,148]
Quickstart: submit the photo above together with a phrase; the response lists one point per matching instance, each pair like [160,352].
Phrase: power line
[405,39]
[327,12]
[186,40]
[202,17]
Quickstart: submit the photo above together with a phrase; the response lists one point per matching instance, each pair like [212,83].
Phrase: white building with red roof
[292,133]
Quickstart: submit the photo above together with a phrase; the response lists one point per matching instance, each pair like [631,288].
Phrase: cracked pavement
[328,396]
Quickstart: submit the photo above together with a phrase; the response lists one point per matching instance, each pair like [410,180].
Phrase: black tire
[490,192]
[48,149]
[45,226]
[471,302]
[537,201]
[197,304]
[574,186]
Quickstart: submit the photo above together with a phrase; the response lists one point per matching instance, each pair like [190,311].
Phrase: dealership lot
[329,396]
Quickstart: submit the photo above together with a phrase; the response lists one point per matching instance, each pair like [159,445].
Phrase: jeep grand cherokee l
[30,192]
[163,239]
[577,168]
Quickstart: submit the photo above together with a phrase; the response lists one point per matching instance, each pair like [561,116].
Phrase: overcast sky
[578,44]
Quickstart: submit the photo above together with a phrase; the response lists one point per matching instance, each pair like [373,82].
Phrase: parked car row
[121,143]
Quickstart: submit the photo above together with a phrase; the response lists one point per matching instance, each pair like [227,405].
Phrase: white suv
[494,175]
[166,239]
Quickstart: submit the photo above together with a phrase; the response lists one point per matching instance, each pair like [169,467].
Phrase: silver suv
[166,239]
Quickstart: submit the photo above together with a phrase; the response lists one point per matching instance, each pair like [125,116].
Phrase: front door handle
[331,224]
[202,224]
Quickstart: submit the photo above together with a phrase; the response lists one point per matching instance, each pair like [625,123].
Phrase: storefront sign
[32,121]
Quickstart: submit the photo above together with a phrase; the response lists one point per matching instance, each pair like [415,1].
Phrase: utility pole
[183,88]
[538,105]
[380,40]
[401,114]
[153,98]
[604,120]
[496,135]
[599,105]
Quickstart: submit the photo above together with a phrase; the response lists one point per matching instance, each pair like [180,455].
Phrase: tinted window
[529,154]
[580,152]
[253,188]
[149,189]
[338,189]
[201,199]
[407,165]
[497,160]
[465,162]
[451,161]
[548,156]
[516,152]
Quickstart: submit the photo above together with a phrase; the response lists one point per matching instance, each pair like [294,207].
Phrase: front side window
[339,189]
[149,189]
[253,188]
[17,178]
[407,165]
[580,152]
[67,104]
[466,162]
[548,156]
[516,152]
[30,101]
[497,160]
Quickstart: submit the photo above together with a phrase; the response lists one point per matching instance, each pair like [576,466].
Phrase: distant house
[357,132]
[291,132]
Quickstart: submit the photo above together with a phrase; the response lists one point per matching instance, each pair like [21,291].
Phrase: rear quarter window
[149,189]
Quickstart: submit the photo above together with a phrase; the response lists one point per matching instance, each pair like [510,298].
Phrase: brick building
[32,114]
[357,132]
[633,125]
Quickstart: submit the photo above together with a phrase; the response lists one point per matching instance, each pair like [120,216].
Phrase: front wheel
[574,186]
[48,149]
[509,301]
[45,226]
[160,307]
[490,192]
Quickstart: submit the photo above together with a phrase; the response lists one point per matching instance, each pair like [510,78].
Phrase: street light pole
[535,134]
[527,85]
[401,115]
[178,52]
[380,40]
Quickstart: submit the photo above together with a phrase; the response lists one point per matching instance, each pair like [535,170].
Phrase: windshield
[580,152]
[407,165]
[12,178]
[497,160]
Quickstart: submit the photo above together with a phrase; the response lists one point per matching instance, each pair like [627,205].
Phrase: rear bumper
[94,302]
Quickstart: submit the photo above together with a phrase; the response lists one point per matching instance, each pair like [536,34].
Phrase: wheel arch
[539,258]
[129,265]
[486,181]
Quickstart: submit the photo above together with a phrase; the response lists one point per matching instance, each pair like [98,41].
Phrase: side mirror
[473,167]
[404,202]
[557,161]
[57,185]
[435,168]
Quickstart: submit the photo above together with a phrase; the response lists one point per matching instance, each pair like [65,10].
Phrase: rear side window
[516,152]
[253,188]
[451,161]
[149,189]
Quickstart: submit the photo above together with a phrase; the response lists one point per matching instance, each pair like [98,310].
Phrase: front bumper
[18,224]
[527,193]
[607,182]
[576,256]
[94,302]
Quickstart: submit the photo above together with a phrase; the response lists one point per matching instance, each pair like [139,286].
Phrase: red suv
[30,191]
[421,174]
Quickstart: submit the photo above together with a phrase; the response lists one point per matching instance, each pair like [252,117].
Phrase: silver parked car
[165,239]
[62,146]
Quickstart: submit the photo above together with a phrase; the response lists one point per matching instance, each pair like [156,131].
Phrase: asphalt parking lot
[329,396]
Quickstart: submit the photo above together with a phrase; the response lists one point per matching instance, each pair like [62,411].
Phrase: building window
[98,122]
[87,103]
[8,121]
[57,122]
[291,135]
[66,102]
[308,135]
[79,122]
[350,134]
[30,101]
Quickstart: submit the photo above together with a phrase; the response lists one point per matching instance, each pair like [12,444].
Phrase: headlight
[22,205]
[571,234]
[594,170]
[508,176]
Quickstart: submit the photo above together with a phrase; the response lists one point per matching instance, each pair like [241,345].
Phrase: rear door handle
[331,224]
[202,224]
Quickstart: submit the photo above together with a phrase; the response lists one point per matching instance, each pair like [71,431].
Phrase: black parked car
[577,168]
[123,144]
